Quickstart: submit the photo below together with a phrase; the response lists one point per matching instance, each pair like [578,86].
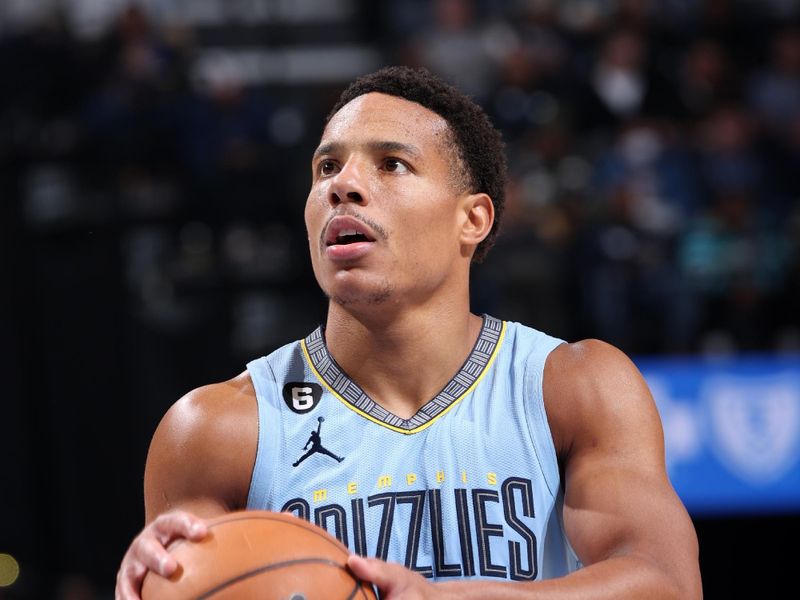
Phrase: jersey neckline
[354,397]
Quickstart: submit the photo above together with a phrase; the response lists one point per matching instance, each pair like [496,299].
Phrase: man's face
[384,212]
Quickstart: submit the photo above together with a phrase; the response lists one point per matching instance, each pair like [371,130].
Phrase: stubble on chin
[376,297]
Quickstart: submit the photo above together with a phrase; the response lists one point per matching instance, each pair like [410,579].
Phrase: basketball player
[461,456]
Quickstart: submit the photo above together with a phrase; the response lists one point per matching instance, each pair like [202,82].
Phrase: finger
[177,524]
[152,555]
[129,581]
[125,591]
[376,571]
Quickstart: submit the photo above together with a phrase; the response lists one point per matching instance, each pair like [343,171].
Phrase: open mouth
[345,230]
[350,236]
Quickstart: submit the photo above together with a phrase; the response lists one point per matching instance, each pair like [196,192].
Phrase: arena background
[153,169]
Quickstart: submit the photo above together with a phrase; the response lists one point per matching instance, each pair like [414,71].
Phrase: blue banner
[732,431]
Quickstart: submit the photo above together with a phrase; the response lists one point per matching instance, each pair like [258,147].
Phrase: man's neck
[402,359]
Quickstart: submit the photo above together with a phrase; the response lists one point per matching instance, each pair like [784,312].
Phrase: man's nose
[349,184]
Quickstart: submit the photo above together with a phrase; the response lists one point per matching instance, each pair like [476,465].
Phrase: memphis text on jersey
[491,514]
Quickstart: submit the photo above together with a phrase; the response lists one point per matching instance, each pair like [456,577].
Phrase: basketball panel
[301,581]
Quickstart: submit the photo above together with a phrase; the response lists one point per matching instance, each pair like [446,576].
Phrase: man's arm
[199,466]
[621,514]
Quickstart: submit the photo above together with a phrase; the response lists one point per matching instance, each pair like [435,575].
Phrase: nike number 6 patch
[301,397]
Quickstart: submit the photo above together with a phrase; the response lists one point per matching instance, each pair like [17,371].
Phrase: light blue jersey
[467,488]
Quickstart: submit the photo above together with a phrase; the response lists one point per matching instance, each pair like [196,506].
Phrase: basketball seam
[304,525]
[293,521]
[264,569]
[359,588]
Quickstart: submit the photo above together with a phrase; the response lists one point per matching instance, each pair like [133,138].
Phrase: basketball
[259,555]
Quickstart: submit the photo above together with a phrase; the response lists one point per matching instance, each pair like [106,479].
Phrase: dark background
[153,169]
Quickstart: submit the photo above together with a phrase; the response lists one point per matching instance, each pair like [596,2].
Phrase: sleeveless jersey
[466,488]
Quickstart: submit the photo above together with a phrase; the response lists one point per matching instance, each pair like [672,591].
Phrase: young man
[474,458]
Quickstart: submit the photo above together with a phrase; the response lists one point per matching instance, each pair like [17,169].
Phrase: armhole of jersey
[538,425]
[261,480]
[571,560]
[542,439]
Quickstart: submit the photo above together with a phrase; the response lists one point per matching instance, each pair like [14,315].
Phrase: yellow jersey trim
[425,425]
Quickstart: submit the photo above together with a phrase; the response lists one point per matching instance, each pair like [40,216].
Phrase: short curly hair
[477,143]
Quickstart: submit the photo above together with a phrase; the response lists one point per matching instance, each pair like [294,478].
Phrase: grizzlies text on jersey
[468,487]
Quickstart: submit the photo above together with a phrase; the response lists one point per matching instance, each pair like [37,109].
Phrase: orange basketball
[259,555]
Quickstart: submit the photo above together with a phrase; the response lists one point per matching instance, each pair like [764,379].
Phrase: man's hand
[394,581]
[148,551]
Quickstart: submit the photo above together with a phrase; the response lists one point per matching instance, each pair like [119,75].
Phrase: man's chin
[366,298]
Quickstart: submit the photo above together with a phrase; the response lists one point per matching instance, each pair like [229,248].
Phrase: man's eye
[327,167]
[394,165]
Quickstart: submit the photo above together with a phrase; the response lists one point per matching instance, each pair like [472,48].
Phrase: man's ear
[479,218]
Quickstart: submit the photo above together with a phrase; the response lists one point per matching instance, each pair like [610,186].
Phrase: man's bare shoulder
[238,388]
[204,447]
[208,404]
[590,362]
[591,386]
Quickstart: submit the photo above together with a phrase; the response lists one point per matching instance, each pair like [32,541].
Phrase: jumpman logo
[316,446]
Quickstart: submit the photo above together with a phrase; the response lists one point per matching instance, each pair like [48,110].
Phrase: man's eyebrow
[389,146]
[374,146]
[326,149]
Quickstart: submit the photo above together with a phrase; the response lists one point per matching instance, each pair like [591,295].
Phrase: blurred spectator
[738,262]
[649,161]
[225,146]
[706,79]
[632,293]
[134,102]
[774,90]
[531,84]
[736,252]
[728,157]
[622,85]
[43,84]
[458,46]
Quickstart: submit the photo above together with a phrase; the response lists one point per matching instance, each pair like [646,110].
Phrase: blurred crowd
[653,144]
[655,201]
